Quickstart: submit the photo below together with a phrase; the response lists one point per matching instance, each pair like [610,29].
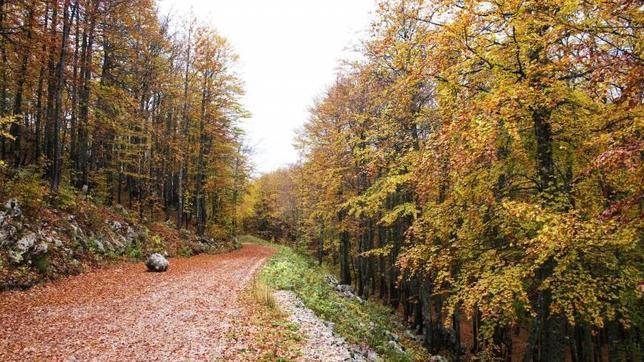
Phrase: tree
[95,86]
[482,164]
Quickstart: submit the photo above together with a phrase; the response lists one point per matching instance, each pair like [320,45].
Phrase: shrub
[99,191]
[94,218]
[155,244]
[133,251]
[65,197]
[30,190]
[217,232]
[186,251]
[42,263]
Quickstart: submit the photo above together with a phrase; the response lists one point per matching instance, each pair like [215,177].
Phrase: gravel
[125,313]
[321,343]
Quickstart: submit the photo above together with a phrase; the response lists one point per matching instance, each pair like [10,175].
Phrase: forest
[107,97]
[478,168]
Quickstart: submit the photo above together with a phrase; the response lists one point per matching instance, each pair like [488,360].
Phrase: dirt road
[126,313]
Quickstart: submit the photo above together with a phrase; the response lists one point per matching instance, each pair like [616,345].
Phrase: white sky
[289,51]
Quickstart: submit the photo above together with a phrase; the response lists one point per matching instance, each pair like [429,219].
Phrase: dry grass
[265,335]
[263,294]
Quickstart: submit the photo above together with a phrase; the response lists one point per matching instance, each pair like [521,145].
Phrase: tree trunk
[58,113]
[200,210]
[16,129]
[186,120]
[345,271]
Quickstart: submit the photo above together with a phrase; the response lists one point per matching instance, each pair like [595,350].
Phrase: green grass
[250,239]
[360,323]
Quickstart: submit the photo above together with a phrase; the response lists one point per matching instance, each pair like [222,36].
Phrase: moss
[186,251]
[42,263]
[133,251]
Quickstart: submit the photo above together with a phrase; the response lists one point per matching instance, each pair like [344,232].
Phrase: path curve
[126,313]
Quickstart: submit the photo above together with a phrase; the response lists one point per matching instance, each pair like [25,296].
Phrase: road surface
[126,313]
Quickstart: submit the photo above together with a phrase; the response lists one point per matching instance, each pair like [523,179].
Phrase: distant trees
[272,205]
[481,169]
[105,93]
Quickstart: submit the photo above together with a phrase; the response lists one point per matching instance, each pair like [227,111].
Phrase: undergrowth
[75,232]
[264,334]
[262,293]
[360,323]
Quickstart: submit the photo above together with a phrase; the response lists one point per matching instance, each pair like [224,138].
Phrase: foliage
[29,189]
[274,207]
[105,97]
[483,161]
[65,197]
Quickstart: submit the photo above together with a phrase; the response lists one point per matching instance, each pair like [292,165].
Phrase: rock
[12,208]
[41,248]
[321,343]
[330,325]
[15,257]
[55,241]
[437,358]
[4,237]
[331,280]
[371,355]
[26,242]
[346,291]
[131,234]
[412,335]
[392,336]
[113,242]
[157,263]
[115,225]
[22,246]
[121,243]
[396,346]
[99,245]
[9,233]
[77,232]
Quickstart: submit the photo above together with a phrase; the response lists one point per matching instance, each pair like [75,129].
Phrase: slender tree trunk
[3,77]
[87,46]
[345,271]
[200,209]
[58,113]
[40,114]
[16,129]
[51,91]
[73,143]
[321,243]
[185,126]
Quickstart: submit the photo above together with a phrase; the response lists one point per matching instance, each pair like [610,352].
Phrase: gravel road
[126,313]
[321,343]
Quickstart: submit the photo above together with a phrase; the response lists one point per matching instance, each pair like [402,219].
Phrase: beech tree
[108,96]
[482,165]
